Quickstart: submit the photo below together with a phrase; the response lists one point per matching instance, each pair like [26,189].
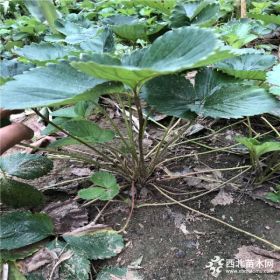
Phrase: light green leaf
[53,84]
[18,194]
[85,130]
[273,78]
[25,166]
[67,112]
[259,148]
[96,244]
[85,108]
[112,273]
[50,129]
[213,95]
[43,51]
[266,18]
[103,179]
[104,194]
[19,229]
[106,190]
[88,131]
[169,53]
[247,66]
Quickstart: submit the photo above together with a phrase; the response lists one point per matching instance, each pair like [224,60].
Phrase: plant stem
[271,126]
[69,154]
[133,192]
[142,168]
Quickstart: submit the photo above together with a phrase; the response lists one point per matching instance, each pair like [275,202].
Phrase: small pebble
[180,254]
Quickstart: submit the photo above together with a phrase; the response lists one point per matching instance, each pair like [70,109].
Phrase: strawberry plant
[70,57]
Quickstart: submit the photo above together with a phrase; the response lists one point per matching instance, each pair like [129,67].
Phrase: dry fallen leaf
[222,198]
[81,171]
[255,259]
[67,215]
[38,260]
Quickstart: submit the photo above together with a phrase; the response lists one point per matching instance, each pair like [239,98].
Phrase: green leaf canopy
[175,51]
[247,66]
[53,84]
[214,95]
[26,166]
[19,229]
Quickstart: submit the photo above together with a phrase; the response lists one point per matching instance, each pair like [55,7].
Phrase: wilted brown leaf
[222,198]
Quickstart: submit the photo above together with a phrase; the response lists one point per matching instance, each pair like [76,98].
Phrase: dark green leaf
[200,13]
[19,229]
[18,194]
[214,95]
[131,28]
[53,84]
[25,166]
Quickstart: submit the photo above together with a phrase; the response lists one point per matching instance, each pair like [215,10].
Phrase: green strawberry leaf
[247,66]
[25,166]
[95,243]
[36,87]
[214,95]
[107,187]
[18,194]
[22,228]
